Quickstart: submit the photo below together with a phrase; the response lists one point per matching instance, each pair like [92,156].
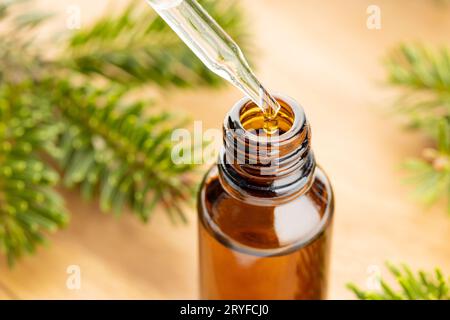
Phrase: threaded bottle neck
[261,168]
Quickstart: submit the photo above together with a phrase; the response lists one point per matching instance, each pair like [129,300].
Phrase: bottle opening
[254,120]
[278,165]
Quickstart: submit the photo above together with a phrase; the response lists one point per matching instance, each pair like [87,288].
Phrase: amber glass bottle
[265,211]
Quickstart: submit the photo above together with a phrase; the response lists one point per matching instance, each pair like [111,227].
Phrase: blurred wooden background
[321,53]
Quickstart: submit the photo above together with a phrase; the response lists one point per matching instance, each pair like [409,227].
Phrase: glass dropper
[215,48]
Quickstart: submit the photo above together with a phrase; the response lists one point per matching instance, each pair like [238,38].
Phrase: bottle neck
[266,169]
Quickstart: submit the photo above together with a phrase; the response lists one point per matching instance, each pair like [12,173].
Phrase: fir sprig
[425,75]
[137,47]
[57,126]
[410,286]
[28,203]
[113,147]
[431,174]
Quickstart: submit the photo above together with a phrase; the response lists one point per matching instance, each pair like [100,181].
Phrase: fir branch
[28,204]
[425,75]
[114,148]
[431,174]
[137,47]
[103,143]
[410,286]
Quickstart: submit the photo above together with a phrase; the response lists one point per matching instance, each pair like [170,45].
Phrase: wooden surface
[321,53]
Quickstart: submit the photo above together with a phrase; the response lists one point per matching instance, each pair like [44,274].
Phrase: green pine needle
[425,76]
[409,286]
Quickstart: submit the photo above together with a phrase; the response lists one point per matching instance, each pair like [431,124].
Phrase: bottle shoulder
[269,228]
[321,190]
